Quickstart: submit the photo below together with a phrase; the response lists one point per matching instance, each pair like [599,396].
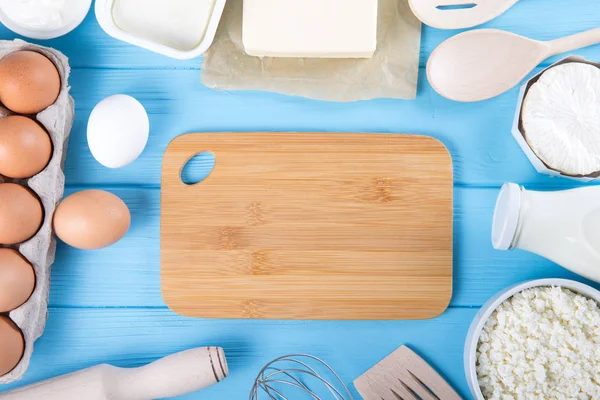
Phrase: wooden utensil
[458,14]
[404,375]
[308,226]
[174,375]
[480,64]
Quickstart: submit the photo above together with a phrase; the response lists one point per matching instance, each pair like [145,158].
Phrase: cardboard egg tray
[49,186]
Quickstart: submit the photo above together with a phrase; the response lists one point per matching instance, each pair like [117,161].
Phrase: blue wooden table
[106,306]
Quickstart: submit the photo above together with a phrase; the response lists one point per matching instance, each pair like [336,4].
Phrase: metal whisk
[293,374]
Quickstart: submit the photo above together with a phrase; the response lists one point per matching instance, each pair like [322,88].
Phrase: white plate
[470,356]
[45,35]
[106,21]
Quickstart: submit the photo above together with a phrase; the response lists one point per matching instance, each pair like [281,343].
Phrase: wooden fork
[403,375]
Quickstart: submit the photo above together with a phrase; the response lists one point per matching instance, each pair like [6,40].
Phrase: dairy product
[562,226]
[180,24]
[542,343]
[44,15]
[559,118]
[310,28]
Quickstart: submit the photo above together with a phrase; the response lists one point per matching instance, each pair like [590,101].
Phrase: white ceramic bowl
[470,356]
[45,35]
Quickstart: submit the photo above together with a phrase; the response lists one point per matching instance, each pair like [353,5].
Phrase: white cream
[562,226]
[43,15]
[560,118]
[179,24]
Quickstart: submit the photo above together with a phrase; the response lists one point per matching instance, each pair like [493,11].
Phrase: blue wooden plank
[88,46]
[76,339]
[127,274]
[90,321]
[478,135]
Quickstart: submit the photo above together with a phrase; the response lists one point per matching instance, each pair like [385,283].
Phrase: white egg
[118,130]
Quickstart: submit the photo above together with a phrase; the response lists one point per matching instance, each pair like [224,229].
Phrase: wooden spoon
[448,14]
[481,64]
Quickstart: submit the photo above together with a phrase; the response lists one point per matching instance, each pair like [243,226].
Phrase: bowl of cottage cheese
[536,340]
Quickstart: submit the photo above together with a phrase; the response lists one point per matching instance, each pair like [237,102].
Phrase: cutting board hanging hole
[198,168]
[457,6]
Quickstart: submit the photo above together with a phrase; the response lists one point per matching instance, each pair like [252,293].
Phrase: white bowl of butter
[181,29]
[43,19]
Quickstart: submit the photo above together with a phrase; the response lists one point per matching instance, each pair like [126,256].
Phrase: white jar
[562,226]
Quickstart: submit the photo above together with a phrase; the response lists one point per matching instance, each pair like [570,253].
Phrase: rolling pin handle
[174,375]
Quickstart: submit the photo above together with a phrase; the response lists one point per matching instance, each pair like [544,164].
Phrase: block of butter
[310,28]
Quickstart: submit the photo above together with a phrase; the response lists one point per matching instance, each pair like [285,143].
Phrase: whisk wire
[314,373]
[291,377]
[274,373]
[268,388]
[336,393]
[303,387]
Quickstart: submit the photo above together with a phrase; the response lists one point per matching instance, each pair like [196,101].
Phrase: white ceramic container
[519,134]
[83,10]
[470,355]
[104,15]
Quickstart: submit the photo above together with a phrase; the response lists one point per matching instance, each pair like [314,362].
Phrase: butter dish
[182,30]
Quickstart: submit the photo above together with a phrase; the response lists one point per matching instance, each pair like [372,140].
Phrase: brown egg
[12,345]
[29,82]
[92,219]
[17,280]
[21,213]
[25,147]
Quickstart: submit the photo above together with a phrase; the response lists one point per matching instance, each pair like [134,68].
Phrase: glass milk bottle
[562,226]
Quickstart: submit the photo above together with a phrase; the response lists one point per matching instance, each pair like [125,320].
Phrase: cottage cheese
[543,343]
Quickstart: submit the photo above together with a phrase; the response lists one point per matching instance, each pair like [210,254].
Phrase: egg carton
[49,186]
[519,133]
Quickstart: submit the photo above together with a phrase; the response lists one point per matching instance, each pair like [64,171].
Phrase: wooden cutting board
[308,226]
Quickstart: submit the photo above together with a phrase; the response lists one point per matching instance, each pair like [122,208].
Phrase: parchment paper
[391,73]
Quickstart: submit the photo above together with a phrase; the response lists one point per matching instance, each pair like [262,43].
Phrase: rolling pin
[174,375]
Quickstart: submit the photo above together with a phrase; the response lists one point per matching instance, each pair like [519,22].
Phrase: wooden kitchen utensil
[480,64]
[458,14]
[404,375]
[174,375]
[308,226]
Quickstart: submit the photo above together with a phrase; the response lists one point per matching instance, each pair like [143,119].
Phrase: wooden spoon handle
[574,42]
